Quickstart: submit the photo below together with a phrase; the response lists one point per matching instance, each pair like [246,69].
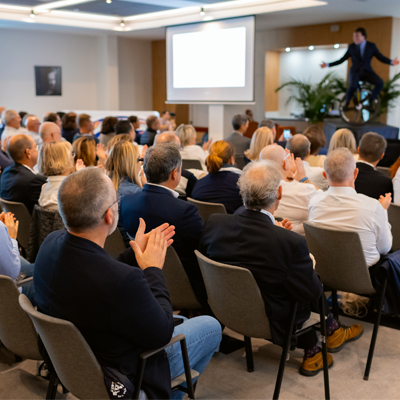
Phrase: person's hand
[11,225]
[101,153]
[154,253]
[79,165]
[286,224]
[395,61]
[207,144]
[292,165]
[4,143]
[172,125]
[300,171]
[143,179]
[385,200]
[95,125]
[101,166]
[144,149]
[323,65]
[2,216]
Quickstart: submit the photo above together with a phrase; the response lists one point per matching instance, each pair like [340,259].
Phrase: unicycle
[361,109]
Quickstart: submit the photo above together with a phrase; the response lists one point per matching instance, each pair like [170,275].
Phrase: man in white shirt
[300,146]
[296,193]
[32,124]
[342,208]
[12,121]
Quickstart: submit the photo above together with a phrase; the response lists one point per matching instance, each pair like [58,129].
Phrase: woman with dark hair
[69,126]
[317,139]
[107,131]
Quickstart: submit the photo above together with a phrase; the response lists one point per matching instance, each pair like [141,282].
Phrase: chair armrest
[174,340]
[24,282]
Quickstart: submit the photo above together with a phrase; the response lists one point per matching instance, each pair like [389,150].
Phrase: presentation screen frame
[215,95]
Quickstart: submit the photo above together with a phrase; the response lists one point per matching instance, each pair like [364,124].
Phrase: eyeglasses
[119,196]
[140,159]
[73,154]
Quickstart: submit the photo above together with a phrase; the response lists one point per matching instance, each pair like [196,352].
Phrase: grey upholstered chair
[115,244]
[239,161]
[384,171]
[341,265]
[21,213]
[178,284]
[191,164]
[236,301]
[394,219]
[207,209]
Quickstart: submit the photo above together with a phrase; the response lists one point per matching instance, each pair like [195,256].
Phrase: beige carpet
[227,378]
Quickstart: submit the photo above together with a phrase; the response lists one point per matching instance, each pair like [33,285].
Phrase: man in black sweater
[121,306]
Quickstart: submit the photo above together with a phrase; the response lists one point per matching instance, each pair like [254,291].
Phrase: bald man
[50,132]
[32,124]
[297,192]
[188,180]
[19,182]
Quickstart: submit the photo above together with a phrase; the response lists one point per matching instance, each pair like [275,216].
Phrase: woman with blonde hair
[220,185]
[190,150]
[85,149]
[118,138]
[262,137]
[344,138]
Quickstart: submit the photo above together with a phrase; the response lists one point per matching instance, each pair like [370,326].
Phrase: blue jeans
[27,290]
[203,336]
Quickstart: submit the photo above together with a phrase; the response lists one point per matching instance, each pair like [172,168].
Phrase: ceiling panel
[25,3]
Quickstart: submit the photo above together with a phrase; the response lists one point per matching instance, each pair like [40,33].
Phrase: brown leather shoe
[311,366]
[341,336]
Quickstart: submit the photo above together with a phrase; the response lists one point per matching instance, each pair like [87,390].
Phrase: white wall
[394,114]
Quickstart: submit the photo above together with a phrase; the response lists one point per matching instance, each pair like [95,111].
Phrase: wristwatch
[304,179]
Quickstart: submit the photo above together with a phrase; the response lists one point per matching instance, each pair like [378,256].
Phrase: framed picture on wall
[48,81]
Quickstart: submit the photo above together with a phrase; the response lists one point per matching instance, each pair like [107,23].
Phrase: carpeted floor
[227,378]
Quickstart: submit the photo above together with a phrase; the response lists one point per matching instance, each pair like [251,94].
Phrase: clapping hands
[385,200]
[286,224]
[11,224]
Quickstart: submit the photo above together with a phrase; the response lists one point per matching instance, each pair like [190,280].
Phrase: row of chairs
[196,164]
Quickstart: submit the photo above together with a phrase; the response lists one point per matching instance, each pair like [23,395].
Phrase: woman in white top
[56,162]
[395,175]
[191,151]
[344,138]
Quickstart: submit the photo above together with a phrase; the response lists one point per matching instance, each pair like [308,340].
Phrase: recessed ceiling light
[287,49]
[108,1]
[122,23]
[336,46]
[311,48]
[32,14]
[202,11]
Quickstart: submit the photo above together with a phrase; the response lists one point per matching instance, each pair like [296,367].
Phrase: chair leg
[52,388]
[285,350]
[324,348]
[139,378]
[375,331]
[186,365]
[249,354]
[335,306]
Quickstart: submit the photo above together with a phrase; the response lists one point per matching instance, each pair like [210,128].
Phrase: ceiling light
[202,11]
[287,49]
[32,14]
[108,1]
[336,46]
[59,4]
[311,48]
[122,23]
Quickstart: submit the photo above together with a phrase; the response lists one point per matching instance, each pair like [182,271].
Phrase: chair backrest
[394,220]
[251,129]
[207,209]
[239,161]
[235,298]
[115,244]
[73,360]
[384,171]
[21,213]
[340,260]
[17,332]
[191,164]
[178,284]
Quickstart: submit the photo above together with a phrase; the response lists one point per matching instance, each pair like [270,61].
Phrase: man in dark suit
[240,143]
[278,259]
[361,53]
[121,306]
[153,125]
[370,181]
[18,181]
[158,203]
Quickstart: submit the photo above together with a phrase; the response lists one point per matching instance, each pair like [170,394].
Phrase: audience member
[262,137]
[19,182]
[32,124]
[53,117]
[56,163]
[135,121]
[344,138]
[369,180]
[86,127]
[85,149]
[158,203]
[11,263]
[12,122]
[300,146]
[107,131]
[296,193]
[119,138]
[395,175]
[121,311]
[317,139]
[50,132]
[5,161]
[153,125]
[221,183]
[278,259]
[190,150]
[269,124]
[124,127]
[69,126]
[249,114]
[23,114]
[167,122]
[240,143]
[188,180]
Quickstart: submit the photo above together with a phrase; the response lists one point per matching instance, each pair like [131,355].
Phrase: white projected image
[210,58]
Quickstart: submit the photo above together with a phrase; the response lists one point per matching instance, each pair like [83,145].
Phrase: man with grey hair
[32,124]
[240,123]
[300,146]
[12,122]
[370,181]
[269,124]
[121,306]
[158,203]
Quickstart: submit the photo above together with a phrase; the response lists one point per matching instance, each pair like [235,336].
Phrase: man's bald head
[50,132]
[299,145]
[32,123]
[273,152]
[22,148]
[168,137]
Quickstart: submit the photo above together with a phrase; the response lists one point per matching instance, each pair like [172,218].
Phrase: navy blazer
[372,182]
[120,310]
[20,184]
[364,63]
[148,137]
[157,205]
[278,259]
[221,187]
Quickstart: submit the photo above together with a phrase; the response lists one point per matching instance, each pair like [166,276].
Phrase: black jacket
[372,182]
[148,137]
[278,259]
[120,310]
[157,205]
[20,184]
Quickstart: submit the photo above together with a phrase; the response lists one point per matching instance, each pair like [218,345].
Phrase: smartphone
[286,134]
